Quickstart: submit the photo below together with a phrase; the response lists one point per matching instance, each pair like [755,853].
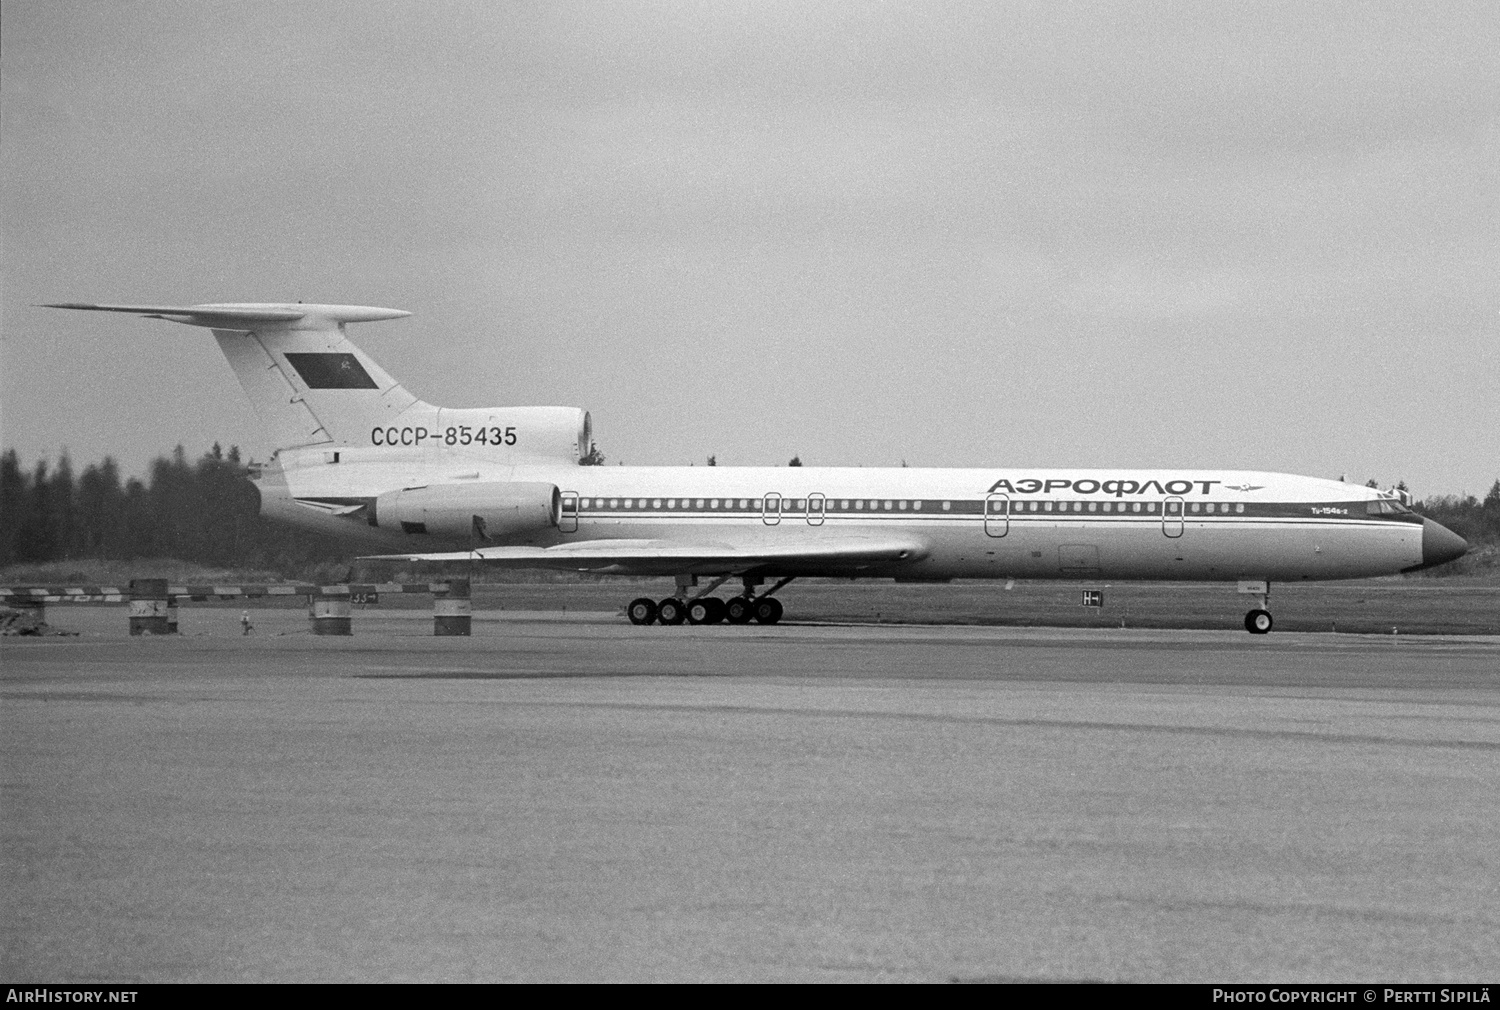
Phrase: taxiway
[580,799]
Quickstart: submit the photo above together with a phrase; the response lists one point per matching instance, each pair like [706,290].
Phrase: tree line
[1476,521]
[207,512]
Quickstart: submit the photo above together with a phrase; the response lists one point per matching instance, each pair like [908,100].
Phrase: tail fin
[310,385]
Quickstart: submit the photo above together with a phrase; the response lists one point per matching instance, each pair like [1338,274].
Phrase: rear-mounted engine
[470,512]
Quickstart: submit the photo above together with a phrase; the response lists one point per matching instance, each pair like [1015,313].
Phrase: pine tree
[100,511]
[13,496]
[37,536]
[64,509]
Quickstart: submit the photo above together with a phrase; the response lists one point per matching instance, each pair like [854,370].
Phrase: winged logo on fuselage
[1244,487]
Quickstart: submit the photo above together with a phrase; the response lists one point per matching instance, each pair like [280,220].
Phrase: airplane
[362,458]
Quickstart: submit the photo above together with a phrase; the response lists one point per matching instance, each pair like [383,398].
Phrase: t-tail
[313,388]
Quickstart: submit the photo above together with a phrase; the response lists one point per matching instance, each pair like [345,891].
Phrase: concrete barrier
[148,607]
[153,602]
[330,616]
[452,610]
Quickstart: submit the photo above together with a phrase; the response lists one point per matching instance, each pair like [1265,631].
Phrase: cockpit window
[1385,506]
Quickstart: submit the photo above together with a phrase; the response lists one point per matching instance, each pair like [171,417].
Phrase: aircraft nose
[1440,544]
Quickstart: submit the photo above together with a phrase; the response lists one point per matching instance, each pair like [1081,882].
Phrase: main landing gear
[1258,621]
[706,609]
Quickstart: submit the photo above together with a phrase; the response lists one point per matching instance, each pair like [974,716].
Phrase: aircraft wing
[845,555]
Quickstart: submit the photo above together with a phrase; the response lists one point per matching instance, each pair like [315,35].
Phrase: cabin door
[770,512]
[817,505]
[1171,516]
[997,515]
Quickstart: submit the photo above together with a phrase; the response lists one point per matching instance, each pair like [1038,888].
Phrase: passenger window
[699,503]
[1240,507]
[901,505]
[656,503]
[947,506]
[744,503]
[859,503]
[844,504]
[1078,506]
[755,503]
[714,504]
[1135,506]
[916,506]
[1109,506]
[1193,507]
[1093,506]
[1046,506]
[887,506]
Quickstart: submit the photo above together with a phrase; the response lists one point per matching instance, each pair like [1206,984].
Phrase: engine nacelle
[492,511]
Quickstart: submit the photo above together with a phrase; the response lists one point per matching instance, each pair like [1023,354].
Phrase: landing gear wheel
[1258,622]
[705,610]
[641,611]
[739,610]
[671,611]
[767,610]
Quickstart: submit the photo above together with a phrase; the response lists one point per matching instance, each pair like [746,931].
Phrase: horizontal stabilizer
[654,557]
[250,316]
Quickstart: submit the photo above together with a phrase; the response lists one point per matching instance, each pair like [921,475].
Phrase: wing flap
[667,557]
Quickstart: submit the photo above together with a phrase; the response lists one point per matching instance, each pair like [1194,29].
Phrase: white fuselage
[972,523]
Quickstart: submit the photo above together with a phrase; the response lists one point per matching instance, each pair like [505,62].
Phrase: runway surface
[581,799]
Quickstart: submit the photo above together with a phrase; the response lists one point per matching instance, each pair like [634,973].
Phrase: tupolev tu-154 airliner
[362,458]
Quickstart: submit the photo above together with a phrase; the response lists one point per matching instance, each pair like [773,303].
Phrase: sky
[1126,235]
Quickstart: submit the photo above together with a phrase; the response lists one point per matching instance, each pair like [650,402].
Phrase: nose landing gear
[1258,621]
